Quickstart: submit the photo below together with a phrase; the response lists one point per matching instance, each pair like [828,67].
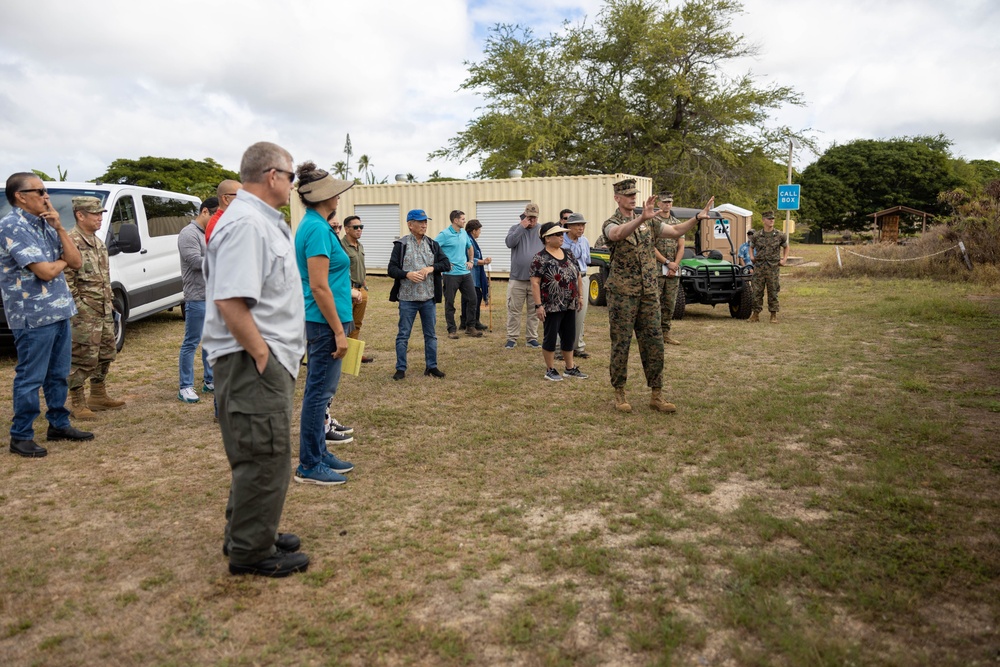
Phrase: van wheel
[595,291]
[119,306]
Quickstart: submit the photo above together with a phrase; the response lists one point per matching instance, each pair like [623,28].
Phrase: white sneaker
[188,395]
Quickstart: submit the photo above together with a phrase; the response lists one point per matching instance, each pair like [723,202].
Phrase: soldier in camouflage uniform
[669,252]
[768,252]
[633,293]
[93,325]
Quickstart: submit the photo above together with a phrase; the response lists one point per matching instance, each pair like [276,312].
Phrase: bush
[975,221]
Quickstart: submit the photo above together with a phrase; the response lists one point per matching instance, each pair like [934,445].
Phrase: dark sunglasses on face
[41,192]
[356,227]
[290,175]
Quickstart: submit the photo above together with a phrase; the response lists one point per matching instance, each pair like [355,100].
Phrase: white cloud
[84,83]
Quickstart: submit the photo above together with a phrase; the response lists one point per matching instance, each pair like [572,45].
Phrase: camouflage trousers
[668,299]
[641,315]
[93,348]
[766,276]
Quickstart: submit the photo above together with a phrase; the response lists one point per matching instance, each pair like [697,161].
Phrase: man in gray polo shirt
[254,334]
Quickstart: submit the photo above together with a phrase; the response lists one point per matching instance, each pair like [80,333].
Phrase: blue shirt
[744,254]
[316,238]
[455,246]
[29,301]
[580,249]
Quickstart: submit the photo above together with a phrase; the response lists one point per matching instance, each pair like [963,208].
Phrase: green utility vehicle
[706,278]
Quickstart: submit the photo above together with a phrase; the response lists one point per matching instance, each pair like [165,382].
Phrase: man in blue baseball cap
[416,264]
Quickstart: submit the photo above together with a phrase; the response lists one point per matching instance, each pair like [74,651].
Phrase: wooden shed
[887,222]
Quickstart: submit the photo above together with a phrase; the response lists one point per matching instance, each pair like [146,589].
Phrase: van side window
[123,214]
[168,216]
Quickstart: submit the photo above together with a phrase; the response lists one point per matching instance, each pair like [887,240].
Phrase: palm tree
[340,168]
[364,166]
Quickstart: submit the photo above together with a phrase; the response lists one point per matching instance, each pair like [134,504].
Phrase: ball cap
[88,204]
[531,211]
[767,215]
[417,214]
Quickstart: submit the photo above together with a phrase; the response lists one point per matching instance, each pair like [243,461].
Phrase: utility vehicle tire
[742,303]
[679,304]
[595,291]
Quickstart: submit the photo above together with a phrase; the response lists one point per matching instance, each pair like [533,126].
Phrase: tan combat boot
[99,399]
[657,403]
[620,401]
[755,317]
[774,317]
[78,403]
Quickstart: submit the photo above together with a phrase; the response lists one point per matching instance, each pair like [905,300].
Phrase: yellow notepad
[352,360]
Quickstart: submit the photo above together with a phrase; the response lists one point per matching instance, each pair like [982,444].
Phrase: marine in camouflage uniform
[93,325]
[633,293]
[769,250]
[667,248]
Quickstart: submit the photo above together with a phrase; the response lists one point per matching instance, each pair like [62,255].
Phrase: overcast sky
[85,83]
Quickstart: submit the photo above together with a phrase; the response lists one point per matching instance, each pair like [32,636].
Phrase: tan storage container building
[495,203]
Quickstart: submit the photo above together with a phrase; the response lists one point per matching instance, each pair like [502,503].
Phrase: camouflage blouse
[633,266]
[767,247]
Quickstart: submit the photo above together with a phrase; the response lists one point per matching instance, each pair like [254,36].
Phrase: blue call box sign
[788,197]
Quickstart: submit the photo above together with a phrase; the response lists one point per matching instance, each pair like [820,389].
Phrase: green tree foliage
[850,181]
[45,177]
[199,178]
[639,91]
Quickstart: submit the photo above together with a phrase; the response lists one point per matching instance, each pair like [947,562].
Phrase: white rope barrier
[906,259]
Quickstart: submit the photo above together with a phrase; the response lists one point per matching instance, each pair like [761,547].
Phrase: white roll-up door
[497,218]
[381,223]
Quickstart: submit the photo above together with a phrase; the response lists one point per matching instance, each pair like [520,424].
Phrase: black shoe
[481,326]
[581,355]
[281,564]
[28,448]
[70,433]
[433,371]
[286,542]
[399,375]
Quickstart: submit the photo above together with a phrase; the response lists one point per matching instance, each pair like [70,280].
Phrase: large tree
[641,90]
[199,178]
[853,180]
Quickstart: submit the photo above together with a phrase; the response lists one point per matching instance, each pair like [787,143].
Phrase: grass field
[827,494]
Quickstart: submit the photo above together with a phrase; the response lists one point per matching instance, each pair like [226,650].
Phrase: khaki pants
[519,295]
[359,312]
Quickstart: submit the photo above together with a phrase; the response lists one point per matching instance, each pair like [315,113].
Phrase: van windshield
[62,201]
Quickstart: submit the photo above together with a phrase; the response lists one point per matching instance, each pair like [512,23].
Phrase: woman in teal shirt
[324,268]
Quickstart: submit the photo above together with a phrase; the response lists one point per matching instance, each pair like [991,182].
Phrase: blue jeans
[43,360]
[322,379]
[194,323]
[428,319]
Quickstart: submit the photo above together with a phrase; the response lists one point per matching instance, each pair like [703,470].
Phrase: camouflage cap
[666,195]
[767,215]
[626,186]
[88,204]
[531,211]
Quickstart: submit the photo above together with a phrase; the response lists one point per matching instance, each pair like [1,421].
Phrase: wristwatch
[537,306]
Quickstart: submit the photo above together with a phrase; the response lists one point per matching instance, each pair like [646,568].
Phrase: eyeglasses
[356,227]
[564,218]
[41,192]
[289,174]
[233,194]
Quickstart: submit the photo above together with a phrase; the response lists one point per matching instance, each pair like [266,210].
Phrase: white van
[140,229]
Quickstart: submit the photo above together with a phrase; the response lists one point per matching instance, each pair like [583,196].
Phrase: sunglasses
[41,192]
[289,174]
[356,227]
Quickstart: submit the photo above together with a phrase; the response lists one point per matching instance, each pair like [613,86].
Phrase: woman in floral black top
[557,287]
